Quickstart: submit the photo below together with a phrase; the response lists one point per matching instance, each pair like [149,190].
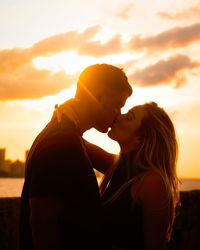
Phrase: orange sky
[45,44]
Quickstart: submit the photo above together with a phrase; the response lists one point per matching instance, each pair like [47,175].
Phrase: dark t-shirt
[58,166]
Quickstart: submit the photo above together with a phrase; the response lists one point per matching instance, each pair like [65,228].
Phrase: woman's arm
[156,211]
[100,158]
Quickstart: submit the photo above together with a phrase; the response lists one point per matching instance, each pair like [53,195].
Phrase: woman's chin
[111,135]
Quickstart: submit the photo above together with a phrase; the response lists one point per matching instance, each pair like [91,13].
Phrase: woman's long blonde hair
[158,152]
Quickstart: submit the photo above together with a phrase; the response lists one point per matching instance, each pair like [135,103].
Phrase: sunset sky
[45,44]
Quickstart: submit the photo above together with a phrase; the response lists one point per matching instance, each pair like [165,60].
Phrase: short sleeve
[61,168]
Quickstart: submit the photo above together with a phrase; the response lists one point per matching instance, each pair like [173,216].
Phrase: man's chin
[102,130]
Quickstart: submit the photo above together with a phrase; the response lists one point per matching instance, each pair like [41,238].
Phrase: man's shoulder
[55,151]
[56,142]
[67,138]
[66,143]
[64,133]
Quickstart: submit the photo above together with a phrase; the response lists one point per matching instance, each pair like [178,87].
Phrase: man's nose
[117,112]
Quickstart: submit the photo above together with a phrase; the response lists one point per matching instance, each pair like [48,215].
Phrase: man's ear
[100,96]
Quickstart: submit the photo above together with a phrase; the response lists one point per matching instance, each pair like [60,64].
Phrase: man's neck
[84,119]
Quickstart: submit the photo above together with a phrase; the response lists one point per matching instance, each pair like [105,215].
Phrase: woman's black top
[122,217]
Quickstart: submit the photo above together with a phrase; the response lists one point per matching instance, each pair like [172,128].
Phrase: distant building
[2,158]
[26,154]
[17,169]
[8,163]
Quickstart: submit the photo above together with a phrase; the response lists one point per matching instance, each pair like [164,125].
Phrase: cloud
[10,59]
[19,79]
[27,82]
[62,42]
[173,38]
[189,108]
[125,12]
[96,49]
[164,72]
[191,13]
[128,65]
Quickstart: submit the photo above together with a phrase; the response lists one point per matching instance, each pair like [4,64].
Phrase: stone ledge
[186,232]
[9,221]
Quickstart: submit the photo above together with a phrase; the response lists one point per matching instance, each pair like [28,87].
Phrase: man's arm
[44,216]
[100,158]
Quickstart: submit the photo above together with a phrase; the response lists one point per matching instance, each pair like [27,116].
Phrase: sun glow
[71,62]
[47,103]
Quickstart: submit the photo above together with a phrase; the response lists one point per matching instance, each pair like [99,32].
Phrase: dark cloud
[125,12]
[27,82]
[174,38]
[164,72]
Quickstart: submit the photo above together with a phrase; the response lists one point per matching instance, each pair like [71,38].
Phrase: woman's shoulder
[151,190]
[151,179]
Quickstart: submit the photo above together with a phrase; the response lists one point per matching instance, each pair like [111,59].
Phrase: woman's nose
[119,117]
[122,117]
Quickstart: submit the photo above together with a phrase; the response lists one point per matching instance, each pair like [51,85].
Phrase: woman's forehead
[139,110]
[136,108]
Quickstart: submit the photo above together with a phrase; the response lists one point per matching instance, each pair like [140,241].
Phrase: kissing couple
[62,205]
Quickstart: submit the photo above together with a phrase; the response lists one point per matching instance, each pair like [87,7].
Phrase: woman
[139,191]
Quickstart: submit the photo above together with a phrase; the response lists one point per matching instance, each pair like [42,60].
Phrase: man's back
[59,180]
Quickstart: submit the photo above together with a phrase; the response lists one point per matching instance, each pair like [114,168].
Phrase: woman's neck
[127,148]
[132,163]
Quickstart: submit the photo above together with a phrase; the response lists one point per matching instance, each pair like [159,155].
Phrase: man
[60,203]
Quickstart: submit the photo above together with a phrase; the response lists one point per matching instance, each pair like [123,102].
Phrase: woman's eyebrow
[132,113]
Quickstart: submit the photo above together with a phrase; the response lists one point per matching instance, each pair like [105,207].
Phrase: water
[12,187]
[189,184]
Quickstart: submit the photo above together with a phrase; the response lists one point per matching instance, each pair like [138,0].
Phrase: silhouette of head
[148,129]
[147,136]
[105,88]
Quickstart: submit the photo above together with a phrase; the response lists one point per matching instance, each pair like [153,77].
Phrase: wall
[186,233]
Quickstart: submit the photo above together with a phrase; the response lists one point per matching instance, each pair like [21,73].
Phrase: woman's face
[124,129]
